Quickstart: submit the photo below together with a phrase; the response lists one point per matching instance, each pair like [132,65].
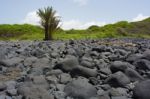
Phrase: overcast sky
[78,14]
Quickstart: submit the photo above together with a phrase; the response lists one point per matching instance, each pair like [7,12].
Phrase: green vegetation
[20,32]
[121,29]
[49,21]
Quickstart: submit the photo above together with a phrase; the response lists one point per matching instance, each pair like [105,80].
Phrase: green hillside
[20,32]
[139,29]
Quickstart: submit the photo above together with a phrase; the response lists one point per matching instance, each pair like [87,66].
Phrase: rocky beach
[75,69]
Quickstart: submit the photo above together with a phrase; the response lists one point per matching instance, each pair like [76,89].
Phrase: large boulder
[141,90]
[80,89]
[134,57]
[142,64]
[67,64]
[118,79]
[133,75]
[146,54]
[119,66]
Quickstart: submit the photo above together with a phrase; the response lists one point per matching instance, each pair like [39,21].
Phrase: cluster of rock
[84,69]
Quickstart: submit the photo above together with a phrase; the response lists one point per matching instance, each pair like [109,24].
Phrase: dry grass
[118,43]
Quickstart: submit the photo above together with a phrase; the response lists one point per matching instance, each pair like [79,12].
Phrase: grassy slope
[120,29]
[20,32]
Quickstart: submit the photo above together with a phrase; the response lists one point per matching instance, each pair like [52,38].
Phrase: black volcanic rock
[2,86]
[141,90]
[133,75]
[30,91]
[76,69]
[67,64]
[142,64]
[118,79]
[83,71]
[119,66]
[146,54]
[134,57]
[80,89]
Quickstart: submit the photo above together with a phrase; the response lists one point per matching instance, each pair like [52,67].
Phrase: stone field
[75,69]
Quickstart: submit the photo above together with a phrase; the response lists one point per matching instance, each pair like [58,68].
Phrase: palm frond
[49,20]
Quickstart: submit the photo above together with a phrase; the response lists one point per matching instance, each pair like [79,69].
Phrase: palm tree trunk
[50,35]
[46,33]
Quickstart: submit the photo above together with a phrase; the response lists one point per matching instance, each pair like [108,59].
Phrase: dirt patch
[11,74]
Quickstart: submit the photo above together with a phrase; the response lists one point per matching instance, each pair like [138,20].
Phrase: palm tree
[49,21]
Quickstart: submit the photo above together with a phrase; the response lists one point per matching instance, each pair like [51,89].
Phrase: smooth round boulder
[67,64]
[133,75]
[141,90]
[146,54]
[118,66]
[134,57]
[118,79]
[142,64]
[80,89]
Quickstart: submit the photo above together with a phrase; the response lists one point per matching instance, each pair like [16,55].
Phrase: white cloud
[81,2]
[76,24]
[31,18]
[139,17]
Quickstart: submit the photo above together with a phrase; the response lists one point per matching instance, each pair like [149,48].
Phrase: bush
[94,28]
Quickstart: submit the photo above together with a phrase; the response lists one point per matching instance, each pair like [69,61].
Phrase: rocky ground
[85,69]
